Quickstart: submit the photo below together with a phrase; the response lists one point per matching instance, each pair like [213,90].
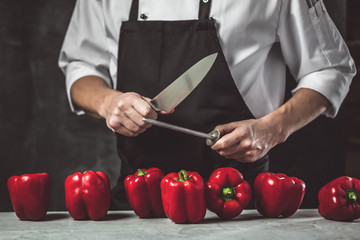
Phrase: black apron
[152,54]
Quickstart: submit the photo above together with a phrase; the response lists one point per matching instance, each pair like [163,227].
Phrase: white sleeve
[315,52]
[84,51]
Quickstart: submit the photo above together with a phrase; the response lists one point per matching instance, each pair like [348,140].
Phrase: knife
[179,89]
[211,138]
[310,3]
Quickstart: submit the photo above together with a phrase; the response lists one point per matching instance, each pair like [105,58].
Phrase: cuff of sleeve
[331,83]
[77,70]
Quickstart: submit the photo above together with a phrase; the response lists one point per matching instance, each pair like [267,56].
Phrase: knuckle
[154,114]
[143,124]
[222,153]
[148,112]
[242,134]
[223,145]
[116,111]
[218,127]
[247,145]
[121,105]
[112,122]
[131,96]
[250,156]
[136,129]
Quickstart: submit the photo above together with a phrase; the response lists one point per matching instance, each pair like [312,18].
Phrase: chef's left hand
[246,141]
[249,140]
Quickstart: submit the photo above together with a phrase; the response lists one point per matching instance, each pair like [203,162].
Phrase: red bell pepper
[143,192]
[183,197]
[87,195]
[340,200]
[278,194]
[30,195]
[227,193]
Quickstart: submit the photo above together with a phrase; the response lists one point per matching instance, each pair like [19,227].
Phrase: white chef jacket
[258,37]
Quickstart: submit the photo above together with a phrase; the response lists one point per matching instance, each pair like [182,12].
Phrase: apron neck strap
[204,10]
[134,10]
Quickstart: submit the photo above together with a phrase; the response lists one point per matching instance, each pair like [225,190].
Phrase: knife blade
[310,3]
[179,89]
[211,138]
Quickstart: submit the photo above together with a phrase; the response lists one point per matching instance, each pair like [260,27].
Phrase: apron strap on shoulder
[204,10]
[134,11]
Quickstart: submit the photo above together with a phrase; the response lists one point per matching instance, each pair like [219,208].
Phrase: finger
[124,131]
[226,128]
[161,112]
[142,106]
[229,140]
[136,118]
[246,157]
[130,125]
[118,122]
[235,155]
[168,112]
[243,146]
[114,121]
[224,141]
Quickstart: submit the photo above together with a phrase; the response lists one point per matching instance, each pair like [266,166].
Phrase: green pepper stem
[351,196]
[140,172]
[183,176]
[228,193]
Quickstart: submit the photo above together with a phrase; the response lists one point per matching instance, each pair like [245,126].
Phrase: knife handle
[153,106]
[216,135]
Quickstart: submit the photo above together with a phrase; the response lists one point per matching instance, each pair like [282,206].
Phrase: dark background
[38,133]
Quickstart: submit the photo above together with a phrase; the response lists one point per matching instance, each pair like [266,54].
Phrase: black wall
[38,133]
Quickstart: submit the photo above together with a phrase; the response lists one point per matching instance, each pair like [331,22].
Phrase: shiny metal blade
[178,90]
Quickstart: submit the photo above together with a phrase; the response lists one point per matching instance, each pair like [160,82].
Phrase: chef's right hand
[124,113]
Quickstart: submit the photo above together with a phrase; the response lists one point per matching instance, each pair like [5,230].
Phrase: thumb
[168,112]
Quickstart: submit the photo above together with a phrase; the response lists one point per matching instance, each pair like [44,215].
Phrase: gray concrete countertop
[305,224]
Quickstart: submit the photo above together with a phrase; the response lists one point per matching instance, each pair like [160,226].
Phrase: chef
[117,55]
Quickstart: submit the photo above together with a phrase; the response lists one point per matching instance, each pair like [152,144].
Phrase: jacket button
[143,16]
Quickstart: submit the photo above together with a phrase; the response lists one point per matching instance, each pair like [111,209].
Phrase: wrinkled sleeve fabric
[84,51]
[315,52]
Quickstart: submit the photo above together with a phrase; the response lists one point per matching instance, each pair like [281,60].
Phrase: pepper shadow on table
[241,217]
[55,216]
[116,216]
